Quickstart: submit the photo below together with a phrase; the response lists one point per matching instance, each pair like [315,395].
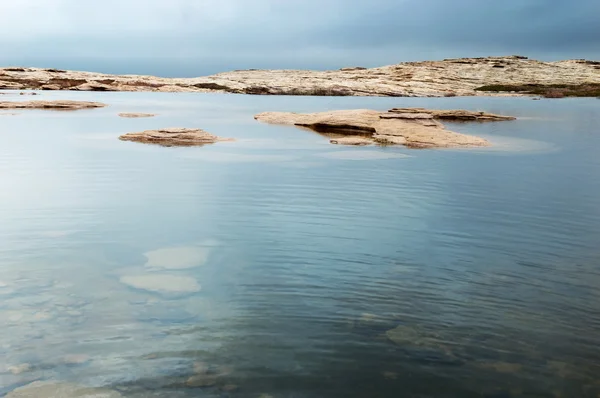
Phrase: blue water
[289,267]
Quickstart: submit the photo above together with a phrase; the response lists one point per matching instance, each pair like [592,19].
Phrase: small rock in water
[390,375]
[18,369]
[76,359]
[202,380]
[161,283]
[135,115]
[201,367]
[44,389]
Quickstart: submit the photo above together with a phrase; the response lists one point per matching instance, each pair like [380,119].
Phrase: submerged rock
[42,389]
[413,127]
[174,137]
[161,283]
[54,105]
[201,380]
[135,115]
[18,369]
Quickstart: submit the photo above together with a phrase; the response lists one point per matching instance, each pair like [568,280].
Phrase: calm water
[283,266]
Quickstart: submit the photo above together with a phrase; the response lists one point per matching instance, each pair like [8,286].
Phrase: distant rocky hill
[450,77]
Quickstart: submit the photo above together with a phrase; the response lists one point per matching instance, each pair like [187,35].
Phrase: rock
[174,137]
[448,77]
[229,388]
[412,336]
[135,115]
[201,367]
[55,105]
[455,114]
[390,375]
[42,389]
[355,140]
[76,359]
[162,283]
[18,369]
[201,380]
[412,129]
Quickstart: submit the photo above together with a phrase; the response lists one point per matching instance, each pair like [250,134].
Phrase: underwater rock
[45,389]
[18,369]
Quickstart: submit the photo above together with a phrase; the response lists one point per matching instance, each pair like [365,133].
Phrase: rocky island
[174,136]
[450,77]
[62,105]
[411,127]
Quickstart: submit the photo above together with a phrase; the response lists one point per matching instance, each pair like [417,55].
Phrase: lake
[280,265]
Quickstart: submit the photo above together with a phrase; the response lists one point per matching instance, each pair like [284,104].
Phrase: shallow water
[290,267]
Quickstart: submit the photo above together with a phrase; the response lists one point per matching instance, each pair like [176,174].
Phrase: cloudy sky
[197,37]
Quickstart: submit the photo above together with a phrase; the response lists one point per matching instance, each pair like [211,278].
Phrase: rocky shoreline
[450,77]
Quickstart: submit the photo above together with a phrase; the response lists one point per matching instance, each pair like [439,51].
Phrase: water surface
[283,266]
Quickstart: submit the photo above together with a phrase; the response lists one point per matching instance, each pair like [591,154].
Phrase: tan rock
[18,369]
[174,137]
[76,359]
[352,140]
[450,114]
[448,77]
[135,115]
[54,105]
[201,380]
[361,127]
[46,389]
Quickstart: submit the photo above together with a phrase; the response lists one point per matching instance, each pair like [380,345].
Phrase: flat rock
[448,114]
[42,389]
[162,283]
[363,126]
[55,105]
[458,77]
[356,140]
[175,136]
[135,115]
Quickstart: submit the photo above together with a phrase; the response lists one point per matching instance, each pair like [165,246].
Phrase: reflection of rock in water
[40,389]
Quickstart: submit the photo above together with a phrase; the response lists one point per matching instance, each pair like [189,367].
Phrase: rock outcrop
[458,115]
[411,127]
[174,136]
[450,77]
[135,115]
[62,105]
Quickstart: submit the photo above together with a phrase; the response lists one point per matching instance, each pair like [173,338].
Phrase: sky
[198,37]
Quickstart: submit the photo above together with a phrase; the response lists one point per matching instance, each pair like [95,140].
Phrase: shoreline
[446,78]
